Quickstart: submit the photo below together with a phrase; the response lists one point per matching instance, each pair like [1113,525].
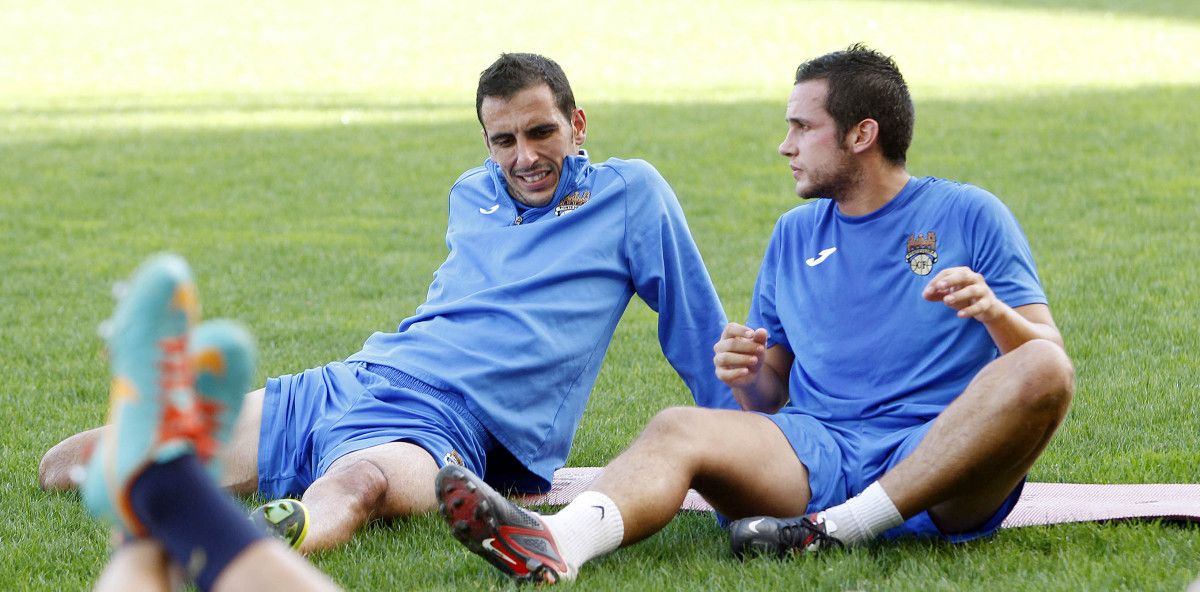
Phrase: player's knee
[51,476]
[675,427]
[362,483]
[1050,380]
[56,466]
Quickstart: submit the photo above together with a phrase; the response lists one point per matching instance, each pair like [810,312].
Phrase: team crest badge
[452,458]
[922,253]
[572,202]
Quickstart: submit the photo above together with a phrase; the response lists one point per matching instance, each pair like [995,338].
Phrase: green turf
[299,156]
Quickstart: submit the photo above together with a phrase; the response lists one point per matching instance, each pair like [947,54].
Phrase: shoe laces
[198,419]
[806,533]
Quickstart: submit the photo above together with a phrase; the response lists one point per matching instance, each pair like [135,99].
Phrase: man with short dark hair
[895,391]
[494,370]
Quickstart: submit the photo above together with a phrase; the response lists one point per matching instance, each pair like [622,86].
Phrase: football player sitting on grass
[494,370]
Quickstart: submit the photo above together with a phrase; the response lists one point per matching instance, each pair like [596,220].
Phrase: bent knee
[681,425]
[1050,376]
[53,473]
[362,482]
[57,465]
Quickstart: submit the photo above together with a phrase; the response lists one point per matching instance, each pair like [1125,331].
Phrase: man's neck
[874,190]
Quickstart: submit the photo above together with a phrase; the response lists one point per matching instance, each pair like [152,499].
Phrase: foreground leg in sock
[200,527]
[147,475]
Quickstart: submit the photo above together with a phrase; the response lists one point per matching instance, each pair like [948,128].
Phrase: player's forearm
[766,394]
[1010,330]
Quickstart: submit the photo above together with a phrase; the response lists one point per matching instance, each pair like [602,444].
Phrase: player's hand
[967,292]
[739,354]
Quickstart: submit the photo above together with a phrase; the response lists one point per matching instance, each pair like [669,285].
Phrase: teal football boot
[223,357]
[151,414]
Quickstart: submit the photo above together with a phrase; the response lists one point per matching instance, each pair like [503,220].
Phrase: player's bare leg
[739,461]
[138,565]
[984,443]
[969,462]
[385,481]
[240,459]
[270,565]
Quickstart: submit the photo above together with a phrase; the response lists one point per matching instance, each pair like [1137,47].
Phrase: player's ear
[578,127]
[863,136]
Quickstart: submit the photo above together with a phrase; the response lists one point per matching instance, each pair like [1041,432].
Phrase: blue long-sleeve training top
[519,316]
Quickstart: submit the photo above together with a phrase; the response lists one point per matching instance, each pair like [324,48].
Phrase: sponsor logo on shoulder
[491,210]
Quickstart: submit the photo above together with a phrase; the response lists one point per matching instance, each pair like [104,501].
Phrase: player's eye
[542,132]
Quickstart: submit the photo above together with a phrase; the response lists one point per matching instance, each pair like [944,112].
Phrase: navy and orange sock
[198,524]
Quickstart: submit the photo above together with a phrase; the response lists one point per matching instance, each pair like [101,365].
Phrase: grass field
[299,154]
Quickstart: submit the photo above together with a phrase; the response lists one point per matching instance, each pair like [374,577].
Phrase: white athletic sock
[863,516]
[589,526]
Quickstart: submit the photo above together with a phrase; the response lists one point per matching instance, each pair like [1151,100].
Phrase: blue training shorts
[843,460]
[311,419]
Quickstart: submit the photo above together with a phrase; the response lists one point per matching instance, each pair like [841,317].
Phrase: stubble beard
[835,182]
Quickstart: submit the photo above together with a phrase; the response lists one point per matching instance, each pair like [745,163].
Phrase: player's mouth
[534,180]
